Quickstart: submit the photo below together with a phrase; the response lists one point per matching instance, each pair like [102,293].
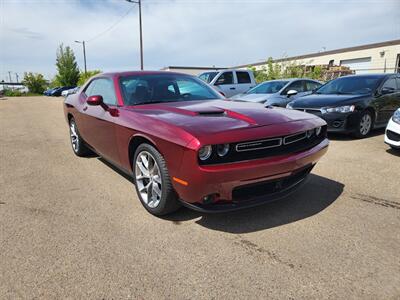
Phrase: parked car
[392,134]
[57,92]
[230,82]
[65,93]
[183,143]
[354,104]
[49,91]
[279,92]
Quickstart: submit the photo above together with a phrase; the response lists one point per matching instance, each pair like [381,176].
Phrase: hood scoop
[211,113]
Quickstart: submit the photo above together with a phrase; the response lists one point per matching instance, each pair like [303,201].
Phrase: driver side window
[225,78]
[103,87]
[298,86]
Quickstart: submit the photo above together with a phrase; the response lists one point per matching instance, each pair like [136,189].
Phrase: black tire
[77,143]
[361,131]
[168,201]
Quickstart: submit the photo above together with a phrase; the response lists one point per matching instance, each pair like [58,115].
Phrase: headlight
[205,152]
[289,106]
[222,149]
[339,109]
[318,131]
[396,116]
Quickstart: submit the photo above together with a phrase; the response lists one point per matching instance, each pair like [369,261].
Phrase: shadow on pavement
[349,137]
[395,152]
[316,195]
[313,197]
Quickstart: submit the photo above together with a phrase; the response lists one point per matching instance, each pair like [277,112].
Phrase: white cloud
[185,32]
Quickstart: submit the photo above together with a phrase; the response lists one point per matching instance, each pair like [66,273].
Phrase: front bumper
[392,134]
[278,176]
[341,122]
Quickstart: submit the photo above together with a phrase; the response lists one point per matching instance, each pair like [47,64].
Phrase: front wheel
[364,125]
[152,181]
[78,145]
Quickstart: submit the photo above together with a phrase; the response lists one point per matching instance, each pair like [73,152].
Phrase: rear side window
[103,87]
[311,85]
[390,84]
[243,77]
[225,78]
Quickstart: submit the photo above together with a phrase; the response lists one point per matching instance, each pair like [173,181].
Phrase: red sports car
[184,143]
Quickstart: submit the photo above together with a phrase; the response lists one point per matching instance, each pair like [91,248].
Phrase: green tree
[83,77]
[34,82]
[67,68]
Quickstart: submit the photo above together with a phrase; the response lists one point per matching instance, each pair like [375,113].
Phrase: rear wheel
[364,125]
[78,145]
[152,181]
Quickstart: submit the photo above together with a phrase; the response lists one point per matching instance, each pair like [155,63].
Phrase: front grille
[393,135]
[248,192]
[273,146]
[314,111]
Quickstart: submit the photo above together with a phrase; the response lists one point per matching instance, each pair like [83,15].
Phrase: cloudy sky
[185,32]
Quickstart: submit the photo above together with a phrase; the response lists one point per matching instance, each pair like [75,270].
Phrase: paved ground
[72,227]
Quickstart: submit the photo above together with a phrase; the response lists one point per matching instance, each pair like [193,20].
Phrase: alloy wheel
[148,179]
[365,124]
[74,136]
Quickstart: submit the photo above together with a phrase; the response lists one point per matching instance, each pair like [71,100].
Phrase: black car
[57,92]
[354,104]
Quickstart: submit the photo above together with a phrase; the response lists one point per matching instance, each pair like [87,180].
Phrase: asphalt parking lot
[73,227]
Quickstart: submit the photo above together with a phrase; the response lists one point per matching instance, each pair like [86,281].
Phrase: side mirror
[291,93]
[387,90]
[94,100]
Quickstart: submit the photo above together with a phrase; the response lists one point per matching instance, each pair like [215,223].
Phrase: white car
[70,91]
[230,82]
[392,135]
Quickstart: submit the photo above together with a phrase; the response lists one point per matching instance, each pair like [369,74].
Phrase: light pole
[84,52]
[139,2]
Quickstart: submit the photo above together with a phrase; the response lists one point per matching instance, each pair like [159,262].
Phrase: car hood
[252,97]
[215,116]
[319,100]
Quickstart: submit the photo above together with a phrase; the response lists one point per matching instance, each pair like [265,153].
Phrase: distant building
[372,58]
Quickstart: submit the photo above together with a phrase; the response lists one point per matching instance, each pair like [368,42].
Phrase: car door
[387,101]
[99,128]
[243,82]
[226,84]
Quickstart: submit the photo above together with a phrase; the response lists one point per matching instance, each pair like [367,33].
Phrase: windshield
[350,85]
[269,87]
[208,76]
[146,89]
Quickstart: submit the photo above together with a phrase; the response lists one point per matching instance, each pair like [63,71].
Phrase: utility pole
[84,53]
[9,76]
[16,75]
[139,2]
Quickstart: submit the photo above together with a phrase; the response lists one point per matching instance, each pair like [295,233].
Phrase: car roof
[375,75]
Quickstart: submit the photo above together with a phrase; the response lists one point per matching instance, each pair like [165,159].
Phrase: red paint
[179,129]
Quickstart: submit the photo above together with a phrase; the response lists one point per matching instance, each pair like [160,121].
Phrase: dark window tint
[350,85]
[225,78]
[208,76]
[311,85]
[243,77]
[390,84]
[164,88]
[297,86]
[103,87]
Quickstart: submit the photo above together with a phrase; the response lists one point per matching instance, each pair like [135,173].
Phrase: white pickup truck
[230,82]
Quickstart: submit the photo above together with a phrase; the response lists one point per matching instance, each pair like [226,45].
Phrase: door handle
[85,108]
[232,88]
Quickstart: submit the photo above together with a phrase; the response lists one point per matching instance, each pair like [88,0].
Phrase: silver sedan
[279,92]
